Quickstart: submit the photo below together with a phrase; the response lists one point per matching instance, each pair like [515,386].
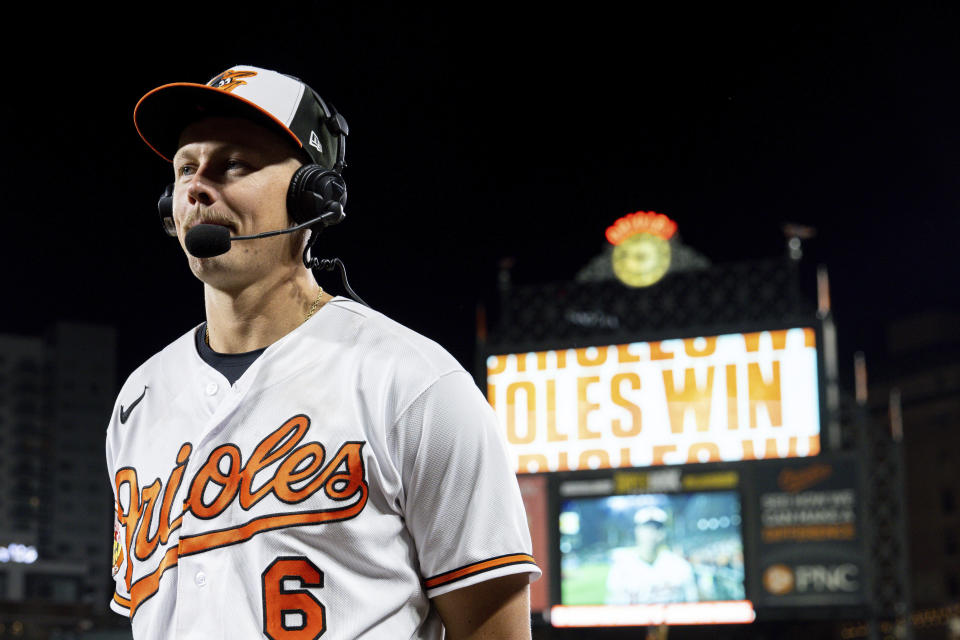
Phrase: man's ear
[298,242]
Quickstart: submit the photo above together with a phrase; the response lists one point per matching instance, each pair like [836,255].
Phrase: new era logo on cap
[315,141]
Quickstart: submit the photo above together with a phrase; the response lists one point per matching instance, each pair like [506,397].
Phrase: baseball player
[650,573]
[298,466]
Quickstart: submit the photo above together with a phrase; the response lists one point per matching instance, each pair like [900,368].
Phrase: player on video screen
[649,572]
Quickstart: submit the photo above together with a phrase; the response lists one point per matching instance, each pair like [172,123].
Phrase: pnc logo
[230,80]
[778,579]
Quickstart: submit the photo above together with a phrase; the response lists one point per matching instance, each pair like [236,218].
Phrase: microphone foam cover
[208,240]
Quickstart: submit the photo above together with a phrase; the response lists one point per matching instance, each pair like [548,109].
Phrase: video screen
[651,549]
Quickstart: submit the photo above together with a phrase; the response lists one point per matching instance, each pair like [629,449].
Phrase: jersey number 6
[292,614]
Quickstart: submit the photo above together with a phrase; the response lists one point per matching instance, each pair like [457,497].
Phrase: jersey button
[211,388]
[200,579]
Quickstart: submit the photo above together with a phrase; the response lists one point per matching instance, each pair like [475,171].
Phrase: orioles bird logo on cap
[230,80]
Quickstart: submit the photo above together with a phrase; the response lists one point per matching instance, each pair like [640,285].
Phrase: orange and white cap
[275,100]
[650,514]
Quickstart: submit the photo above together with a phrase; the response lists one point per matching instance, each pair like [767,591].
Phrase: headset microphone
[209,240]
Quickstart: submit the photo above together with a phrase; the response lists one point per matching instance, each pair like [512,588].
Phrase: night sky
[490,131]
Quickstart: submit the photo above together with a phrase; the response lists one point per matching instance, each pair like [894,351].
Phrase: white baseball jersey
[632,580]
[350,474]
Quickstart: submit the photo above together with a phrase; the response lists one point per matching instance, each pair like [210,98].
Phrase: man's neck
[648,554]
[258,315]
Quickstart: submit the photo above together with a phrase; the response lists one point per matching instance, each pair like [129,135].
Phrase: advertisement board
[809,546]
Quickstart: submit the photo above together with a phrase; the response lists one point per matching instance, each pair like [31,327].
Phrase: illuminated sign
[782,580]
[731,397]
[651,614]
[641,253]
[18,553]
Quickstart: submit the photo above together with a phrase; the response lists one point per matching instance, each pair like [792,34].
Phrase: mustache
[207,215]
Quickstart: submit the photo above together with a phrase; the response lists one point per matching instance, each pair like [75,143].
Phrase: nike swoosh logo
[125,413]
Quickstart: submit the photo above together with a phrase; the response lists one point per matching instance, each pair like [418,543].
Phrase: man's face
[235,173]
[650,534]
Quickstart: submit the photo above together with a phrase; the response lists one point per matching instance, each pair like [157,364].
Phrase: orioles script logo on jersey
[277,467]
[230,80]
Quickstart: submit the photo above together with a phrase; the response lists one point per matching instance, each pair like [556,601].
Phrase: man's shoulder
[625,556]
[383,340]
[164,367]
[673,561]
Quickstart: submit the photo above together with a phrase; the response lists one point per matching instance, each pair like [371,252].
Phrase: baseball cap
[274,100]
[650,515]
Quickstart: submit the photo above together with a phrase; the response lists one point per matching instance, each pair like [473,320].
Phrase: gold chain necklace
[313,310]
[315,305]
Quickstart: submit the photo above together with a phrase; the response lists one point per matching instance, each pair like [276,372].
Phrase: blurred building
[917,390]
[56,395]
[912,403]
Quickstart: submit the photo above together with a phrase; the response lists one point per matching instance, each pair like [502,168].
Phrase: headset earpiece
[316,192]
[165,207]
